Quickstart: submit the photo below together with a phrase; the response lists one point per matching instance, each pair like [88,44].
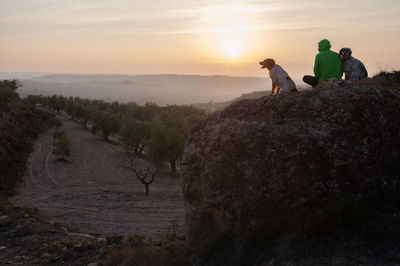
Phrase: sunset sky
[207,37]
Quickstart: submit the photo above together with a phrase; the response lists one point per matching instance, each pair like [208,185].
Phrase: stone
[4,220]
[260,162]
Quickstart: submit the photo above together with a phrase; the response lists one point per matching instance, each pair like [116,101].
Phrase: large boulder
[269,161]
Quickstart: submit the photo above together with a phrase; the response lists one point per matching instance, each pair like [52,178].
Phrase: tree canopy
[155,132]
[7,94]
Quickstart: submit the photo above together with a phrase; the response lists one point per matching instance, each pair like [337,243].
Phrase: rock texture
[263,162]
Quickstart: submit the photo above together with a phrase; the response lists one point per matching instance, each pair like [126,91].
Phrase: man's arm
[317,71]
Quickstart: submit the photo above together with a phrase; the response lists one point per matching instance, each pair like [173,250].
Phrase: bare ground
[90,194]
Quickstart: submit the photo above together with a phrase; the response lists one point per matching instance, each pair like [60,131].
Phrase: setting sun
[233,50]
[232,45]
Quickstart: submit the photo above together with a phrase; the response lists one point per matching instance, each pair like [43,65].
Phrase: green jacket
[328,64]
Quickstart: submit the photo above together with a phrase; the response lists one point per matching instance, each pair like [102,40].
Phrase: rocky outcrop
[269,161]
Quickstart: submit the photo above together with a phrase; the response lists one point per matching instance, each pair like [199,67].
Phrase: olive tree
[105,123]
[135,134]
[61,145]
[144,171]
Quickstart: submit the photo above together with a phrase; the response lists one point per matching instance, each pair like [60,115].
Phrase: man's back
[328,64]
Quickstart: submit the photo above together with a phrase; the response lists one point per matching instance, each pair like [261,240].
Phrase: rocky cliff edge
[319,158]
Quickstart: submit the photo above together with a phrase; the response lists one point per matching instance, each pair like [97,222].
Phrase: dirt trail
[90,194]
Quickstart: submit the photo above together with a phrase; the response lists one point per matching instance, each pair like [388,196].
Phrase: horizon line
[45,73]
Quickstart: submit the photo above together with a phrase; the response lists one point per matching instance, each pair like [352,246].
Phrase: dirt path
[90,194]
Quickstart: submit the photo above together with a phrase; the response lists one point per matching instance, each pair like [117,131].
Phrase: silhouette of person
[354,69]
[281,82]
[328,64]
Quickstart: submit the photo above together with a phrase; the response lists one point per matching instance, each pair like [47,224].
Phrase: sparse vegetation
[137,250]
[18,130]
[152,130]
[135,135]
[61,144]
[7,94]
[151,135]
[145,172]
[105,123]
[55,123]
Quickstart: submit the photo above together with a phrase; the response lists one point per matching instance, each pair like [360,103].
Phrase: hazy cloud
[183,17]
[190,30]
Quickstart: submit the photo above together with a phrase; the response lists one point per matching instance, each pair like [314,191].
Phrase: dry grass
[136,250]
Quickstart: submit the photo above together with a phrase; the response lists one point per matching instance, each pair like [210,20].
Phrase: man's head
[345,53]
[324,45]
[268,63]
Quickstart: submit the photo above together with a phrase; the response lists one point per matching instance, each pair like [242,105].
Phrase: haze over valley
[159,89]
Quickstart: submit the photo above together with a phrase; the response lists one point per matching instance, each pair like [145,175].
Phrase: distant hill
[212,107]
[21,75]
[161,89]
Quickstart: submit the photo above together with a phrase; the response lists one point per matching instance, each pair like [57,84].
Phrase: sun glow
[233,50]
[232,44]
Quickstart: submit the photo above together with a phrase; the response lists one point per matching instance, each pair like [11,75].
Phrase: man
[281,82]
[328,64]
[354,69]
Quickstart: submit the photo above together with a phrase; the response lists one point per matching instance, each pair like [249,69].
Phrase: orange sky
[208,37]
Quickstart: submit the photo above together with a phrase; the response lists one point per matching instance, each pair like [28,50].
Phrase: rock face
[262,162]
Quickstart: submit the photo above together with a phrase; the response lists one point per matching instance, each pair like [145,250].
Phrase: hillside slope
[19,128]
